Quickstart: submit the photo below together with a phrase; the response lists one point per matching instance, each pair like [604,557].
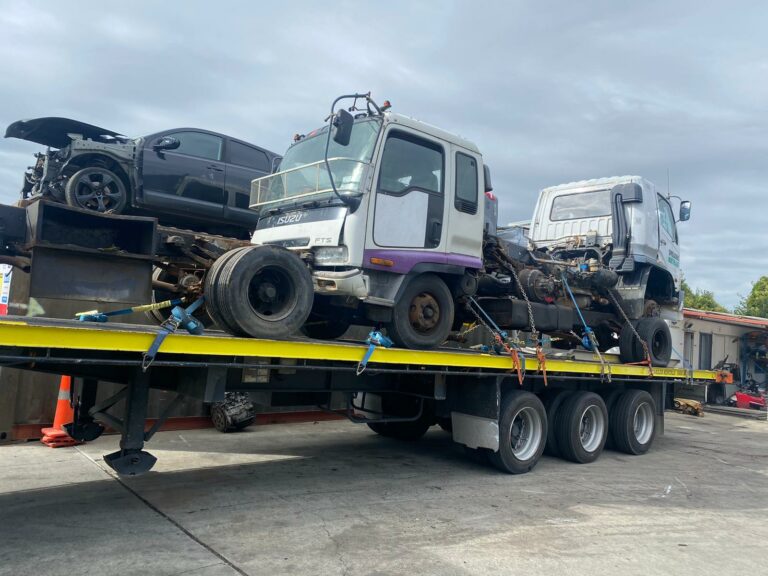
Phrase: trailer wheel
[633,422]
[522,433]
[264,291]
[610,400]
[581,427]
[423,315]
[553,406]
[96,189]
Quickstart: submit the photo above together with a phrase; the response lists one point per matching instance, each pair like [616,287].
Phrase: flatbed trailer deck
[572,407]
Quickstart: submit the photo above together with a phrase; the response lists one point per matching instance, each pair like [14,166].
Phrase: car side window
[248,157]
[466,184]
[410,162]
[199,144]
[666,218]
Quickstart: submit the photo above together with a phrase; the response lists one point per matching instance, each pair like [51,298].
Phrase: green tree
[701,299]
[756,304]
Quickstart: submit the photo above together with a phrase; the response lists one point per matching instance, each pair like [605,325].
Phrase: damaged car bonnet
[54,132]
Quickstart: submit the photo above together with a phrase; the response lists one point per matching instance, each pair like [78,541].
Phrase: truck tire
[217,311]
[423,314]
[610,399]
[633,422]
[630,349]
[522,433]
[96,189]
[655,332]
[263,292]
[581,427]
[553,406]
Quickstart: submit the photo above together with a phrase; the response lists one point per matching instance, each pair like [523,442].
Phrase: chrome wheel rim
[525,433]
[643,423]
[591,428]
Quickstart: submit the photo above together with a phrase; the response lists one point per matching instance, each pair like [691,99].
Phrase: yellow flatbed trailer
[506,411]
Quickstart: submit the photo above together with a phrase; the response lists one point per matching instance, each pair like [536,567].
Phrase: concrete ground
[333,498]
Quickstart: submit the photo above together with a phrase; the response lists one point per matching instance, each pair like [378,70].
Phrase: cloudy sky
[550,92]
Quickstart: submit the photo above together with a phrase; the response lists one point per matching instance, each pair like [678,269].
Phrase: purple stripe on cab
[405,260]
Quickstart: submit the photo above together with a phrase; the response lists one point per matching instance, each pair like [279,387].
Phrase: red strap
[515,358]
[542,362]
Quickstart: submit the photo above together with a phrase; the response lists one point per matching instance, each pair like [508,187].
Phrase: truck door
[465,211]
[187,180]
[409,204]
[669,251]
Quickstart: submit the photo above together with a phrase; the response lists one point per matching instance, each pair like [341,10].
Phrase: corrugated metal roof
[725,318]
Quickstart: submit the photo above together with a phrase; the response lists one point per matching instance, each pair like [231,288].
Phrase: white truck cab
[628,224]
[583,212]
[416,204]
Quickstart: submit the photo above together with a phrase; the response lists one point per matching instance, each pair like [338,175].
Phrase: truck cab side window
[199,144]
[666,218]
[410,162]
[466,184]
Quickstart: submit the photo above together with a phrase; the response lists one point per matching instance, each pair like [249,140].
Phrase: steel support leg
[84,428]
[131,460]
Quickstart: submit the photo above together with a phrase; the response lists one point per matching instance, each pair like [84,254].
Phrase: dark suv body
[185,177]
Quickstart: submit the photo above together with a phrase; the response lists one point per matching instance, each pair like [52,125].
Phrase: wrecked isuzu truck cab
[623,224]
[380,219]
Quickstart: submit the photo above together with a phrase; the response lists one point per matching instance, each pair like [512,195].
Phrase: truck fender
[646,282]
[450,273]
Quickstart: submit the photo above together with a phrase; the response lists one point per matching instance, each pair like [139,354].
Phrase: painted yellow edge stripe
[22,335]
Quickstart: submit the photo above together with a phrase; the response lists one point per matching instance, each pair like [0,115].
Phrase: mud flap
[474,408]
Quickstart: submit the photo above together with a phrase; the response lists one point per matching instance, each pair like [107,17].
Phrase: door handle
[435,231]
[215,168]
[663,242]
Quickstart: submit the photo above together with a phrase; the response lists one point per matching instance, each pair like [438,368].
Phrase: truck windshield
[581,205]
[304,176]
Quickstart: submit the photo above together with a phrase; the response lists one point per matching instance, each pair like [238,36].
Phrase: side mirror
[166,143]
[342,124]
[487,185]
[685,211]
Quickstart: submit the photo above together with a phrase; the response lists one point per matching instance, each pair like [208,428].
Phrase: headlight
[331,255]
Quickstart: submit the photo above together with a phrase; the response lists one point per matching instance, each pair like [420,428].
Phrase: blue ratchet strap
[589,339]
[586,341]
[375,338]
[179,317]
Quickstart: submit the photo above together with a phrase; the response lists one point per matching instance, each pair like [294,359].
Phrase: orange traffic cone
[56,437]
